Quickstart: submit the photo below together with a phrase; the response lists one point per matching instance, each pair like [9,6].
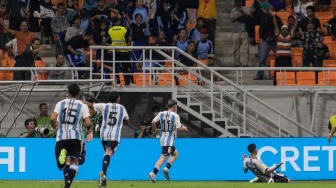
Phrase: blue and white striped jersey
[71,113]
[169,121]
[113,116]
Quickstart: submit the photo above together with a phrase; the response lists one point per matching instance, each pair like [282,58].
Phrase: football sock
[168,165]
[106,162]
[66,172]
[156,170]
[72,172]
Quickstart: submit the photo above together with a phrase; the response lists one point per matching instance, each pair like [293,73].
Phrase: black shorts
[280,178]
[73,148]
[167,150]
[113,145]
[81,158]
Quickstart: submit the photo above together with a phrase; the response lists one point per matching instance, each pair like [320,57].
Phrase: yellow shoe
[62,157]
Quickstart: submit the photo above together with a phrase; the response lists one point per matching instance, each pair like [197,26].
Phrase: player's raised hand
[329,137]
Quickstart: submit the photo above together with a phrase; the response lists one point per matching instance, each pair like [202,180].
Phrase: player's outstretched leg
[152,177]
[166,173]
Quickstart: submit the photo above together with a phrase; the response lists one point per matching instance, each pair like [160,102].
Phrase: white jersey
[71,113]
[113,116]
[257,167]
[169,121]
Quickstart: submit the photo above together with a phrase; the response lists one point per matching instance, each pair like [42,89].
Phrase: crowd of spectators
[72,27]
[279,34]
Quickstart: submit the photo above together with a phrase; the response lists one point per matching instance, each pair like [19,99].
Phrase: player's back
[169,122]
[257,167]
[113,116]
[71,114]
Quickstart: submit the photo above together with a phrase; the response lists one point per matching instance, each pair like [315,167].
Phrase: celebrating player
[170,121]
[263,173]
[114,115]
[68,118]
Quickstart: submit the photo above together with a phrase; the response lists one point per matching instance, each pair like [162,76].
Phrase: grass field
[165,184]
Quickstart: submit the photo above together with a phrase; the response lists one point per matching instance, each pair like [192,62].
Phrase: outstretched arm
[270,170]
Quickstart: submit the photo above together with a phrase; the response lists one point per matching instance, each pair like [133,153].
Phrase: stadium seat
[55,2]
[192,78]
[305,78]
[297,59]
[165,79]
[2,75]
[327,78]
[327,38]
[285,78]
[283,16]
[204,61]
[331,46]
[139,79]
[42,76]
[190,26]
[257,38]
[8,63]
[329,63]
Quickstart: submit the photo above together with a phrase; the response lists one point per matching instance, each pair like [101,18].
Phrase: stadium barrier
[217,159]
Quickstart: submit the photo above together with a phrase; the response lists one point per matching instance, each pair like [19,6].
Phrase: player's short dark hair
[73,89]
[251,147]
[171,103]
[310,8]
[42,104]
[91,100]
[26,123]
[114,96]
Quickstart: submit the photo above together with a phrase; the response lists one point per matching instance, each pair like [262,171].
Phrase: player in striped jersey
[257,167]
[68,118]
[170,122]
[114,116]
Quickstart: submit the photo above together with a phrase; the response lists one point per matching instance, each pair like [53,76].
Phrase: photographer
[31,130]
[145,131]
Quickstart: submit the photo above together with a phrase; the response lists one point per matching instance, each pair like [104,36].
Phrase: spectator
[310,41]
[181,42]
[310,18]
[300,7]
[291,21]
[194,33]
[204,46]
[331,24]
[191,51]
[43,120]
[179,17]
[71,6]
[255,20]
[119,36]
[88,6]
[207,10]
[145,131]
[85,23]
[283,56]
[138,35]
[100,13]
[45,13]
[322,51]
[59,74]
[155,111]
[162,41]
[27,59]
[59,24]
[74,53]
[166,21]
[155,14]
[74,30]
[297,39]
[207,74]
[238,17]
[13,10]
[266,33]
[24,37]
[140,9]
[30,133]
[101,37]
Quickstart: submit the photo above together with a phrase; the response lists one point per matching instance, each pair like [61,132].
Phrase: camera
[42,130]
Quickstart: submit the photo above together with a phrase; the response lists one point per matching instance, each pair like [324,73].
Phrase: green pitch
[165,184]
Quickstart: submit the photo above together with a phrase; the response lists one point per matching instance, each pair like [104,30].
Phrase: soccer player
[68,118]
[114,115]
[170,122]
[263,173]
